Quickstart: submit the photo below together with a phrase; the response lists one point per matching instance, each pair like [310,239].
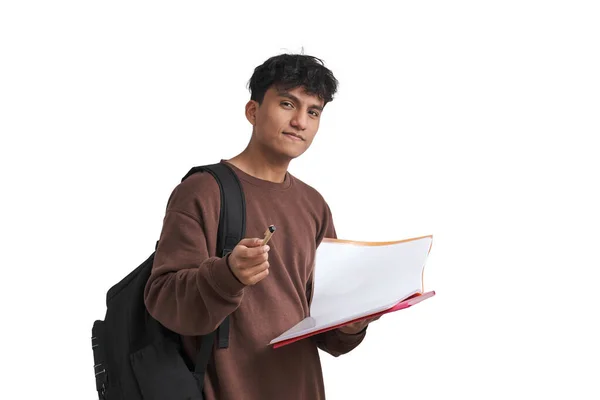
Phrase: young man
[264,289]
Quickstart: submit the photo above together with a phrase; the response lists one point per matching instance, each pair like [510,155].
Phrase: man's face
[286,122]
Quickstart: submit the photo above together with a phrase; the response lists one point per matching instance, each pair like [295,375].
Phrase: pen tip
[272,228]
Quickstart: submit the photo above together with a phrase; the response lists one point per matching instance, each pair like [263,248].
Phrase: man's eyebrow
[297,100]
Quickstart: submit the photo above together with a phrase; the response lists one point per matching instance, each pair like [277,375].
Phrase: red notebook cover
[412,300]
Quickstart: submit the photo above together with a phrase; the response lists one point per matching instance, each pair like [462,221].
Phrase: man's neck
[260,165]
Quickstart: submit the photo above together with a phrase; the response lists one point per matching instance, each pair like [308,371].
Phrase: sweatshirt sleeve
[191,291]
[334,342]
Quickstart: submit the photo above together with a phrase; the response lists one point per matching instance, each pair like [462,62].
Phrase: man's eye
[316,114]
[287,104]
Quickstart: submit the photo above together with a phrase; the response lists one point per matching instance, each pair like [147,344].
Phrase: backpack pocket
[162,374]
[98,348]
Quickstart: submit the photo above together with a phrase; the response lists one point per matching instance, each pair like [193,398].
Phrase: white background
[472,121]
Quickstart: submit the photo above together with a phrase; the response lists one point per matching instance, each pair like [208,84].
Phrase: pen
[268,233]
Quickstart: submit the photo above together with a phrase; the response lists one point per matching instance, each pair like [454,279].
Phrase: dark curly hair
[288,71]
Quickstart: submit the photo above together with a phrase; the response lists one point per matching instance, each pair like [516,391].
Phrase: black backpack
[135,357]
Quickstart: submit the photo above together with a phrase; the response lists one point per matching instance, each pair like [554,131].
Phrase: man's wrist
[231,270]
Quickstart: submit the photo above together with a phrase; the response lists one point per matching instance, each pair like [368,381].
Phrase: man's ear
[251,108]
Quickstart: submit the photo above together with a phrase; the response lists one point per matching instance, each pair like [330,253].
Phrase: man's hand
[249,261]
[356,327]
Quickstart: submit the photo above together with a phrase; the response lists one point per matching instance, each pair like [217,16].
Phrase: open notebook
[359,280]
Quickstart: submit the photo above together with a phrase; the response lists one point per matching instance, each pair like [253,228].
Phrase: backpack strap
[232,228]
[232,221]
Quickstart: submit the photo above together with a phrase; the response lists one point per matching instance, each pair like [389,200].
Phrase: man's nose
[300,120]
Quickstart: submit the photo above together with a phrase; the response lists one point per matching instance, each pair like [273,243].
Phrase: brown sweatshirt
[191,290]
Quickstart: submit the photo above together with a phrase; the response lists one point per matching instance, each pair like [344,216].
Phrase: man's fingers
[252,257]
[256,251]
[257,269]
[252,275]
[248,253]
[250,242]
[259,277]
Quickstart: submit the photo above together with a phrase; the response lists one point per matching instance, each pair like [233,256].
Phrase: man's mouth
[293,136]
